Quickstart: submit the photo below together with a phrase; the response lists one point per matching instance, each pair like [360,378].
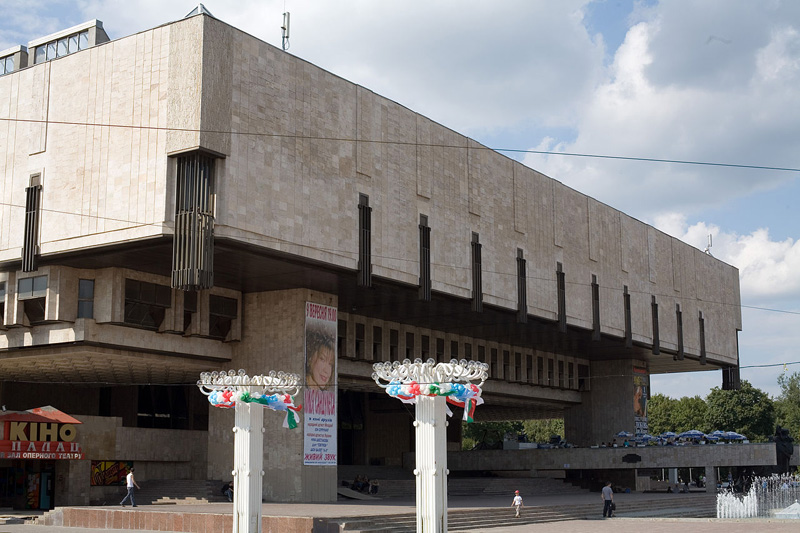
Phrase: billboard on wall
[319,405]
[641,382]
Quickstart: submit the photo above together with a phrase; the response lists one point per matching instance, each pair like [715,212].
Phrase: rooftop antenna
[708,248]
[285,31]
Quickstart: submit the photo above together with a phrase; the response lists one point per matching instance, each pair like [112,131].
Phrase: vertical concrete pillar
[431,470]
[711,479]
[248,463]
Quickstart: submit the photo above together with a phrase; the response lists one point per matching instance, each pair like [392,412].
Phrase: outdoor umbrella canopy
[712,437]
[692,434]
[624,434]
[669,434]
[716,433]
[732,435]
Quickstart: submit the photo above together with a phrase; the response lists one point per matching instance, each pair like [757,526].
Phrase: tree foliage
[487,435]
[659,414]
[749,411]
[542,430]
[787,405]
[690,413]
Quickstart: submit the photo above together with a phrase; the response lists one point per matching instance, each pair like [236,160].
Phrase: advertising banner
[319,405]
[641,381]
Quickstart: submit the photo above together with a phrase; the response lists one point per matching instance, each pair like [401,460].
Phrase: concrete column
[248,463]
[711,479]
[431,471]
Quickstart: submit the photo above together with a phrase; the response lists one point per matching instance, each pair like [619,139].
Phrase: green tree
[787,404]
[749,411]
[487,435]
[690,413]
[542,430]
[659,414]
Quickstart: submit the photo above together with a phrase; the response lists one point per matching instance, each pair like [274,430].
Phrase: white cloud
[672,95]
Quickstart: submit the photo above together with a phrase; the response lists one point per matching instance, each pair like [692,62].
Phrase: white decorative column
[247,396]
[431,386]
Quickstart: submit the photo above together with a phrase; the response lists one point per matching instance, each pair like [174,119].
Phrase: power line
[402,143]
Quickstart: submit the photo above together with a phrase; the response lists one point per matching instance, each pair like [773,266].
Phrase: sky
[713,82]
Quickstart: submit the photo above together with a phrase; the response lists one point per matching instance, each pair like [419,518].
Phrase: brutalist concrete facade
[295,148]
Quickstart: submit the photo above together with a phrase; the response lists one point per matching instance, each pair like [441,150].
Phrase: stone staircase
[475,520]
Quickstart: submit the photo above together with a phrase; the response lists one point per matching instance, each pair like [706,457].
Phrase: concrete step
[695,506]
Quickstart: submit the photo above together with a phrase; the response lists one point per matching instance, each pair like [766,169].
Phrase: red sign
[41,433]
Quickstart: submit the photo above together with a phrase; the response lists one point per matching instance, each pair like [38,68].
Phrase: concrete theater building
[173,200]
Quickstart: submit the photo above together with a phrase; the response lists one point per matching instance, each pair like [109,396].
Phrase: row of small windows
[549,372]
[145,304]
[61,47]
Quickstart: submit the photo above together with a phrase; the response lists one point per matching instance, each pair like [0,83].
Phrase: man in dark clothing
[608,499]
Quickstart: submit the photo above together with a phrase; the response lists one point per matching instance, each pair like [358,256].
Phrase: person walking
[517,502]
[608,500]
[130,483]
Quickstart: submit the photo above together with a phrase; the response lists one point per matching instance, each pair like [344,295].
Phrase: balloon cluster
[456,391]
[276,402]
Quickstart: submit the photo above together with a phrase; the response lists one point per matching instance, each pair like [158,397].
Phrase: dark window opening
[522,288]
[394,345]
[30,244]
[86,298]
[561,374]
[341,339]
[517,366]
[506,363]
[2,302]
[595,309]
[467,351]
[424,259]
[410,345]
[529,368]
[453,349]
[360,333]
[189,308]
[481,353]
[679,319]
[493,363]
[702,325]
[626,299]
[364,241]
[222,312]
[146,303]
[583,377]
[377,343]
[571,375]
[440,350]
[540,369]
[425,347]
[561,285]
[550,373]
[477,285]
[656,339]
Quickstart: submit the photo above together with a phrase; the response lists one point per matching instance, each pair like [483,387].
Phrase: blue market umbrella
[712,437]
[624,434]
[692,434]
[732,435]
[716,433]
[668,435]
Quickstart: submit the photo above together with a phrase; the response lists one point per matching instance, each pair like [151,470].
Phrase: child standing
[517,502]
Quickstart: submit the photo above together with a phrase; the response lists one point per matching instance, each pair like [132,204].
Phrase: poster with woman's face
[320,385]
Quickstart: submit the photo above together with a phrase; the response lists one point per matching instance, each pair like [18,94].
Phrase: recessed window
[32,292]
[145,303]
[6,65]
[86,298]
[223,311]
